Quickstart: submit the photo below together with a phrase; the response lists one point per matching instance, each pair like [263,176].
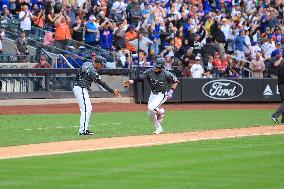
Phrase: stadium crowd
[200,38]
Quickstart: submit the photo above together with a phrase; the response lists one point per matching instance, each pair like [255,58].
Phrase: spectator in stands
[278,34]
[50,18]
[119,10]
[38,21]
[208,50]
[130,35]
[186,72]
[39,83]
[119,37]
[62,32]
[78,31]
[106,29]
[231,36]
[92,32]
[217,33]
[254,49]
[278,49]
[257,66]
[2,35]
[209,69]
[144,43]
[196,69]
[42,63]
[151,57]
[168,62]
[25,17]
[21,47]
[188,57]
[238,45]
[136,14]
[5,14]
[70,12]
[268,47]
[219,65]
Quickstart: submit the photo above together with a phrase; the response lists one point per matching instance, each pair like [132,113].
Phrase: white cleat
[160,115]
[159,130]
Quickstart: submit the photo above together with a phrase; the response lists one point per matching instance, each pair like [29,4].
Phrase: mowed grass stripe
[250,162]
[27,129]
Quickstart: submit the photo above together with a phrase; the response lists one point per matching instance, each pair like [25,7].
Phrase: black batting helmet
[160,62]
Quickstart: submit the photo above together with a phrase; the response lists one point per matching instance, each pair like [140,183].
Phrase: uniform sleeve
[171,78]
[97,78]
[142,76]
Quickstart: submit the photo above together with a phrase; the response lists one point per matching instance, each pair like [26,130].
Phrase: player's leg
[88,109]
[81,94]
[153,108]
[161,112]
[280,110]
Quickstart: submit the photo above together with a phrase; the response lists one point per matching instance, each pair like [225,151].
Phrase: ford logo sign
[222,89]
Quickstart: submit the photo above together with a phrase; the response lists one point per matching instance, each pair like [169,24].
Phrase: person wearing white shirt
[196,69]
[254,49]
[2,34]
[25,17]
[226,28]
[268,47]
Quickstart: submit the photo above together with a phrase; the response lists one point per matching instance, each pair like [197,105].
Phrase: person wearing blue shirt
[277,50]
[4,2]
[238,45]
[106,29]
[91,31]
[146,10]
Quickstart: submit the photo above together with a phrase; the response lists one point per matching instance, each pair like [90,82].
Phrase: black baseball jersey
[158,81]
[88,74]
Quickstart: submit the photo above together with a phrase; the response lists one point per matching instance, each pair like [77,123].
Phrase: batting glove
[169,94]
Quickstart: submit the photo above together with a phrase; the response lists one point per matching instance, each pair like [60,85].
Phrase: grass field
[247,163]
[26,129]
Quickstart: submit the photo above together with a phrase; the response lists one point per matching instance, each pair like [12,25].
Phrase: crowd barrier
[55,83]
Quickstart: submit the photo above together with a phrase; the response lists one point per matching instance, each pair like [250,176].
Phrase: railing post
[47,82]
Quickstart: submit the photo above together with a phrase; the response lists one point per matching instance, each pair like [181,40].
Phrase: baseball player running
[85,76]
[159,79]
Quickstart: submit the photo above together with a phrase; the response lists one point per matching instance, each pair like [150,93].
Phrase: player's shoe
[159,130]
[160,115]
[274,119]
[88,132]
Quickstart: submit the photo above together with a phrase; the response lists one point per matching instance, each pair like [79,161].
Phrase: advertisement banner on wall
[221,90]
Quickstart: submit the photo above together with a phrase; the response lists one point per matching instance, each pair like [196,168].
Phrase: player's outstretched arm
[105,86]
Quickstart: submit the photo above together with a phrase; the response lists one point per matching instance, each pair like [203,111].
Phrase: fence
[54,83]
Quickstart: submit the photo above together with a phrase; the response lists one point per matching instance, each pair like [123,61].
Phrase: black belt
[157,92]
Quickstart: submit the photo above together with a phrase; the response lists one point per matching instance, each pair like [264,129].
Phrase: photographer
[21,47]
